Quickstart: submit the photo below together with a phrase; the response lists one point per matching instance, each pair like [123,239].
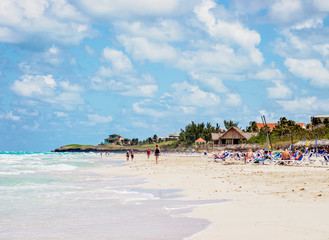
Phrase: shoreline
[268,200]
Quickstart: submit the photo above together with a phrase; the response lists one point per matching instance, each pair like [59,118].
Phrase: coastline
[269,201]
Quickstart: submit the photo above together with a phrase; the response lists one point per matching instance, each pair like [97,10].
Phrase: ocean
[58,196]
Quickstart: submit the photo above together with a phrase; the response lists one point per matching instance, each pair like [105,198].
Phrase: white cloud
[213,82]
[140,91]
[309,69]
[147,107]
[119,61]
[61,114]
[35,86]
[322,5]
[323,49]
[20,20]
[310,23]
[98,119]
[143,49]
[160,31]
[191,95]
[233,99]
[309,105]
[279,91]
[45,89]
[286,10]
[229,32]
[10,116]
[143,86]
[268,74]
[127,8]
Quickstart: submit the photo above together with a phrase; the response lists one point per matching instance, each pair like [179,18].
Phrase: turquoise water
[57,196]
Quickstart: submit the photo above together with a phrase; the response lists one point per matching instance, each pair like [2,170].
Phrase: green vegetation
[194,131]
[78,146]
[230,123]
[287,131]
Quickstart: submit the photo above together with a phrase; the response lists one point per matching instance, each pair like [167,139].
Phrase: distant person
[148,153]
[132,155]
[157,153]
[127,155]
[299,155]
[248,156]
[285,155]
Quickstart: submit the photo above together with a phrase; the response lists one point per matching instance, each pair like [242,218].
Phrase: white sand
[269,201]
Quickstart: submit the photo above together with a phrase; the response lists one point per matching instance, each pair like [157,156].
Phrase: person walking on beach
[157,153]
[127,155]
[148,153]
[132,155]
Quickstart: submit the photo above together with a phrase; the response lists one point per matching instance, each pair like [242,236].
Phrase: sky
[76,71]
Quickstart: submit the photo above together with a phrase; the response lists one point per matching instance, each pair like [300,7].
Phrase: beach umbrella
[200,140]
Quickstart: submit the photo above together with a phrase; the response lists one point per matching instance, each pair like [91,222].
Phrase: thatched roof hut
[323,143]
[233,135]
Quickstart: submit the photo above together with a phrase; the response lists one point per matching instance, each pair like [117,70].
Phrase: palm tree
[230,123]
[252,127]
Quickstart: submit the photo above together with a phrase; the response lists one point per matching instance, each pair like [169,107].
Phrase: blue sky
[77,71]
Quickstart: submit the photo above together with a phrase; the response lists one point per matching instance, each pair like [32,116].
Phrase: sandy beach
[266,201]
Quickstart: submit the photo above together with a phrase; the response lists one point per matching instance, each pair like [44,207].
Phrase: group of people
[131,155]
[148,153]
[251,156]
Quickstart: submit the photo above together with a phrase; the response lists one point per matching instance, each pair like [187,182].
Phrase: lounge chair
[226,155]
[326,160]
[293,161]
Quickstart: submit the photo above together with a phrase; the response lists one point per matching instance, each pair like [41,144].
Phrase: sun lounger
[293,161]
[227,154]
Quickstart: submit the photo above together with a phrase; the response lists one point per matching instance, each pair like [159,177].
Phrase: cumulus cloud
[309,105]
[286,10]
[120,76]
[311,69]
[143,49]
[150,108]
[229,32]
[35,86]
[233,99]
[279,91]
[322,6]
[191,95]
[111,9]
[119,61]
[21,20]
[268,74]
[160,31]
[213,82]
[44,88]
[310,23]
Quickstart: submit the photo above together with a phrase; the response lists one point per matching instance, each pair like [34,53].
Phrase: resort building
[273,125]
[114,139]
[322,117]
[174,136]
[233,135]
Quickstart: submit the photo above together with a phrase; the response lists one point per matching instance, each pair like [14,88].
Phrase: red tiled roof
[270,125]
[301,124]
[200,140]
